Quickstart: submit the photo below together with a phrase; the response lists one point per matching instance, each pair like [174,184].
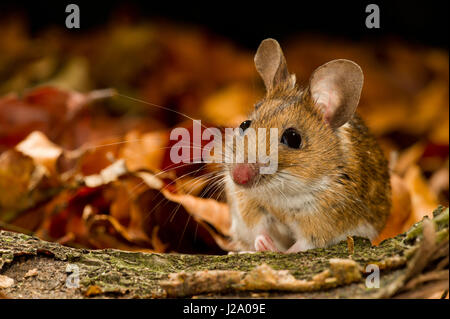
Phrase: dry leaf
[209,210]
[144,151]
[423,200]
[150,180]
[19,178]
[107,175]
[400,210]
[409,157]
[157,244]
[41,150]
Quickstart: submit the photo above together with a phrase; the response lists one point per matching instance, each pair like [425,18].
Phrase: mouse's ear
[271,64]
[336,88]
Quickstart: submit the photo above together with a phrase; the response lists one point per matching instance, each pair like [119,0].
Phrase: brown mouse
[332,179]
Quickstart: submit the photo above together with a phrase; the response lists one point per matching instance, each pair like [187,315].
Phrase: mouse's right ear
[271,65]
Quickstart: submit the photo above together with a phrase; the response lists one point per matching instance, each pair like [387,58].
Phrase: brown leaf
[424,201]
[107,175]
[157,244]
[41,150]
[409,157]
[144,151]
[209,210]
[19,178]
[400,210]
[106,220]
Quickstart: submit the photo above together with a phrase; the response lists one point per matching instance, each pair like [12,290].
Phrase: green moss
[138,274]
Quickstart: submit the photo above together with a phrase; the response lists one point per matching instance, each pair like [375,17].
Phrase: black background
[275,308]
[247,22]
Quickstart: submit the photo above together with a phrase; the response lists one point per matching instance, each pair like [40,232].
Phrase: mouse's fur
[335,185]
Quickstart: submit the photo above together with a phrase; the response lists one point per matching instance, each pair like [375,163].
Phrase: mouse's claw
[264,243]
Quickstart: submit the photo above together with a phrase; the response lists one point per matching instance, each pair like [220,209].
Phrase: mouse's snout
[244,173]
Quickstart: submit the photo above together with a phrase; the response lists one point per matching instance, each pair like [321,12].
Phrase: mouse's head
[309,122]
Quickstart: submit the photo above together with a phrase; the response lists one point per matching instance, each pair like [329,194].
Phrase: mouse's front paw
[264,243]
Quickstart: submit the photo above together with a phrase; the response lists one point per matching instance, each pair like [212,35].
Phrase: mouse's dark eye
[245,125]
[291,138]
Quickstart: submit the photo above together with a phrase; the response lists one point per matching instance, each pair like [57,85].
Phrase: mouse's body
[332,179]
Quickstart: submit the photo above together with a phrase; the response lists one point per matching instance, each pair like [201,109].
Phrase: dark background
[247,22]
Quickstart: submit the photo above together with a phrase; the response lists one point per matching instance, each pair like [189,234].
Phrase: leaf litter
[88,167]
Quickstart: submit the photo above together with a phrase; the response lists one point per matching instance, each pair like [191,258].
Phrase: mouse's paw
[264,243]
[299,246]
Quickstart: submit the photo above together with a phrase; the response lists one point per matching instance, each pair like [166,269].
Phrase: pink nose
[244,174]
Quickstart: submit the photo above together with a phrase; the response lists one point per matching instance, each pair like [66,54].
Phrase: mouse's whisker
[172,214]
[158,106]
[165,199]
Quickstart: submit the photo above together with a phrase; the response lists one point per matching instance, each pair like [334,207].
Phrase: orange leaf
[424,201]
[400,210]
[209,210]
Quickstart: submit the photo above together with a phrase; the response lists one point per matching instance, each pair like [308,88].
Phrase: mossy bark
[42,269]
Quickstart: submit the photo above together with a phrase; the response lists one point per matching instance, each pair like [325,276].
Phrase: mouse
[332,180]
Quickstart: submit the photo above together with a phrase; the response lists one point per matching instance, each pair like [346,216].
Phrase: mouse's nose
[244,174]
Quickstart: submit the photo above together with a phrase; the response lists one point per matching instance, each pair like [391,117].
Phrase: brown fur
[359,188]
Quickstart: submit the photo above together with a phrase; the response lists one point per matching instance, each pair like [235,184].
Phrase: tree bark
[414,264]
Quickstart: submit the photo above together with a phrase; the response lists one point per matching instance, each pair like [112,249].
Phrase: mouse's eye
[245,125]
[291,138]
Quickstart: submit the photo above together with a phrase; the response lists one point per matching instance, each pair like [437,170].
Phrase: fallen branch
[261,278]
[418,266]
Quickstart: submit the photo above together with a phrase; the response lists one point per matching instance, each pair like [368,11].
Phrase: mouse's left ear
[336,87]
[271,65]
